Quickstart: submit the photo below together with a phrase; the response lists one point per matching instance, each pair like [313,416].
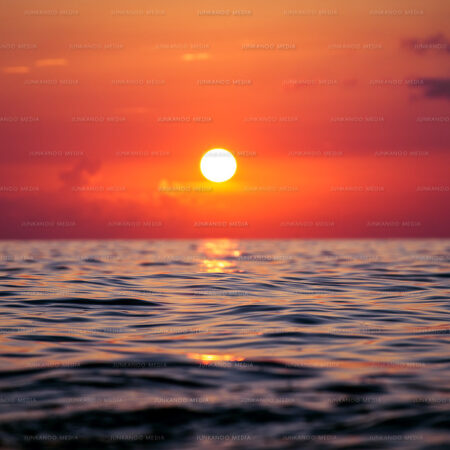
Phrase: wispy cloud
[189,57]
[16,69]
[51,62]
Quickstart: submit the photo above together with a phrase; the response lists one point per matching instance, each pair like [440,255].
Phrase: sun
[218,165]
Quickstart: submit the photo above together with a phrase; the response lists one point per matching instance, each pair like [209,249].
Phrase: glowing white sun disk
[218,165]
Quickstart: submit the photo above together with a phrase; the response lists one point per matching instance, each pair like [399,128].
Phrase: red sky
[337,113]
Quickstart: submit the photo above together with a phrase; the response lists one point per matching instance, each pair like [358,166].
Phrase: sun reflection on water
[218,266]
[205,358]
[219,255]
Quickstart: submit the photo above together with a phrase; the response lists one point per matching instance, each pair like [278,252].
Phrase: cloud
[436,88]
[79,174]
[437,42]
[189,57]
[51,62]
[16,69]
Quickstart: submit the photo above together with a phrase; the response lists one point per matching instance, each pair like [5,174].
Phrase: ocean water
[225,344]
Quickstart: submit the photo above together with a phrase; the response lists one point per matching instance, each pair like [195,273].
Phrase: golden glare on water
[220,247]
[218,165]
[205,359]
[217,253]
[217,265]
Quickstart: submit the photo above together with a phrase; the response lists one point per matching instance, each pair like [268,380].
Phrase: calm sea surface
[224,344]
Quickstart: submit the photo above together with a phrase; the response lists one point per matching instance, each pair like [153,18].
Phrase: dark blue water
[224,344]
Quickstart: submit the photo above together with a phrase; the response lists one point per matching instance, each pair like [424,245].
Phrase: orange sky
[337,113]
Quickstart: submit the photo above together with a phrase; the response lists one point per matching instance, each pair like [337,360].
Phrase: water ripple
[346,342]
